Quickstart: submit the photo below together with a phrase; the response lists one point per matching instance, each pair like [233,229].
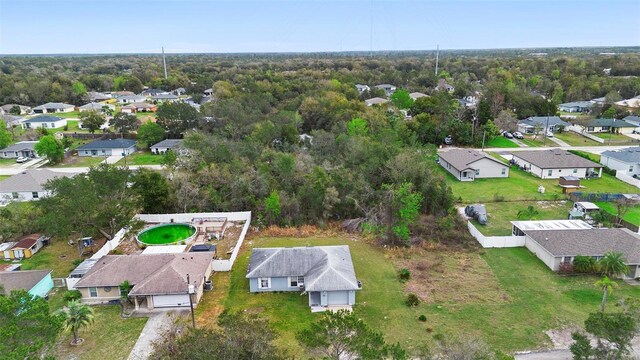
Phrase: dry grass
[297,232]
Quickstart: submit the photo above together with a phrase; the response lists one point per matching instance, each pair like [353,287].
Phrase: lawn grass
[500,214]
[72,114]
[584,154]
[616,139]
[537,142]
[632,215]
[80,161]
[2,177]
[142,158]
[501,142]
[7,162]
[109,337]
[58,256]
[575,139]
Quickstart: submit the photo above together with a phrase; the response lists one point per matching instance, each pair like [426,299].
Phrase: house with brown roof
[25,247]
[552,164]
[158,280]
[469,164]
[139,107]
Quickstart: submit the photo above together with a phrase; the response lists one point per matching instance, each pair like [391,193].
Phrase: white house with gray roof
[550,123]
[28,185]
[129,99]
[94,106]
[324,273]
[22,148]
[44,121]
[552,164]
[108,147]
[23,109]
[53,107]
[469,164]
[165,145]
[375,101]
[626,160]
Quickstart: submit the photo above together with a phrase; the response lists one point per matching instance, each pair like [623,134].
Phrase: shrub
[77,262]
[72,295]
[412,300]
[422,318]
[404,275]
[584,264]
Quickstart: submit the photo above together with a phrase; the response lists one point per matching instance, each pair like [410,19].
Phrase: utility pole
[164,64]
[437,57]
[483,135]
[189,292]
[544,137]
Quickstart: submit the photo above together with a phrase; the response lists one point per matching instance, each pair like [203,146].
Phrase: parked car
[22,159]
[508,135]
[549,134]
[448,140]
[518,135]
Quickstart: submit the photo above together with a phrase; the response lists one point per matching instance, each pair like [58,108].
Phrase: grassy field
[575,139]
[501,142]
[142,158]
[80,161]
[632,216]
[58,256]
[109,337]
[616,139]
[500,214]
[507,297]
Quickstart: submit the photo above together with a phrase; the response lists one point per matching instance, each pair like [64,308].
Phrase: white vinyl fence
[495,241]
[580,131]
[628,179]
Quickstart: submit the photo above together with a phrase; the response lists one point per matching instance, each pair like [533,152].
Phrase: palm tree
[607,286]
[612,264]
[529,213]
[77,315]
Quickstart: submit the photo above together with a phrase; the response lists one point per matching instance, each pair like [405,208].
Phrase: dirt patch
[128,246]
[551,204]
[225,246]
[446,276]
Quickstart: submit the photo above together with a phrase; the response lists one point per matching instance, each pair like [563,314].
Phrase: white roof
[588,205]
[6,246]
[551,225]
[164,249]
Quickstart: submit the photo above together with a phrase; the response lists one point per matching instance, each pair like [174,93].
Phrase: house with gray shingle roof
[576,106]
[324,273]
[35,282]
[28,185]
[94,106]
[22,148]
[165,145]
[108,147]
[129,99]
[469,164]
[552,123]
[552,164]
[53,107]
[614,125]
[44,121]
[375,101]
[23,109]
[160,98]
[626,160]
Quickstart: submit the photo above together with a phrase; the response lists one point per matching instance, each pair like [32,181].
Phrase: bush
[422,318]
[404,275]
[584,264]
[72,295]
[77,262]
[412,300]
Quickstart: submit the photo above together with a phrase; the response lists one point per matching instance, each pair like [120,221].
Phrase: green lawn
[7,162]
[109,337]
[500,214]
[142,158]
[2,177]
[575,139]
[632,215]
[501,142]
[73,114]
[590,156]
[616,139]
[58,256]
[80,161]
[537,142]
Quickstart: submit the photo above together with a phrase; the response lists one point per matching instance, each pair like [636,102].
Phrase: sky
[144,26]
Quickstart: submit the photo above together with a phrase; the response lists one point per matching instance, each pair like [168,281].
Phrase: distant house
[99,107]
[576,106]
[164,145]
[25,247]
[130,99]
[469,101]
[28,185]
[613,125]
[632,103]
[108,147]
[546,123]
[558,248]
[138,107]
[468,164]
[375,101]
[179,91]
[153,92]
[552,164]
[51,107]
[362,88]
[22,148]
[324,273]
[12,120]
[626,161]
[122,93]
[160,98]
[44,121]
[444,86]
[417,95]
[635,120]
[159,280]
[35,282]
[388,88]
[208,92]
[94,96]
[23,109]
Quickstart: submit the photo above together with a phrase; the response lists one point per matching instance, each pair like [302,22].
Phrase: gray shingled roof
[109,144]
[53,105]
[592,242]
[164,97]
[21,280]
[325,268]
[614,123]
[542,120]
[635,119]
[95,106]
[629,155]
[20,146]
[31,180]
[151,274]
[584,104]
[555,158]
[376,101]
[168,143]
[43,118]
[462,158]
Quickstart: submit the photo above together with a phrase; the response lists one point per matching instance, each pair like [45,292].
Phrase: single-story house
[375,101]
[179,91]
[388,88]
[324,273]
[417,95]
[158,280]
[25,247]
[444,86]
[95,96]
[22,148]
[53,108]
[208,92]
[469,164]
[12,120]
[626,160]
[44,121]
[28,185]
[634,102]
[528,125]
[130,99]
[164,145]
[552,164]
[116,94]
[153,92]
[99,107]
[160,98]
[606,125]
[558,247]
[36,282]
[631,119]
[23,109]
[108,147]
[576,106]
[362,88]
[139,107]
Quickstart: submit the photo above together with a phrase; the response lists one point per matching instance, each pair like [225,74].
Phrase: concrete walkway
[559,142]
[112,159]
[154,329]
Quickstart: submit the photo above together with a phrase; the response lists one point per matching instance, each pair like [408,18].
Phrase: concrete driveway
[159,322]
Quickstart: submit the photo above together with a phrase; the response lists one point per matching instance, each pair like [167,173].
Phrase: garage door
[170,300]
[338,298]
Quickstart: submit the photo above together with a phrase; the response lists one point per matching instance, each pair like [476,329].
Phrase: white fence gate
[495,241]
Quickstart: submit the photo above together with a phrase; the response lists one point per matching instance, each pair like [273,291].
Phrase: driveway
[112,159]
[159,322]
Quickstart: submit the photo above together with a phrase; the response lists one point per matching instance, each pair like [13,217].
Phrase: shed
[569,181]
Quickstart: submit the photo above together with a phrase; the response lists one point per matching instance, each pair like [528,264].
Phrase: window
[575,171]
[504,171]
[15,195]
[566,259]
[590,128]
[34,195]
[605,128]
[93,292]
[296,281]
[53,125]
[550,172]
[44,125]
[264,283]
[631,168]
[477,172]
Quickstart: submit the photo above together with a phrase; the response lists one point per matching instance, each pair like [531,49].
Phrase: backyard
[141,158]
[500,214]
[632,215]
